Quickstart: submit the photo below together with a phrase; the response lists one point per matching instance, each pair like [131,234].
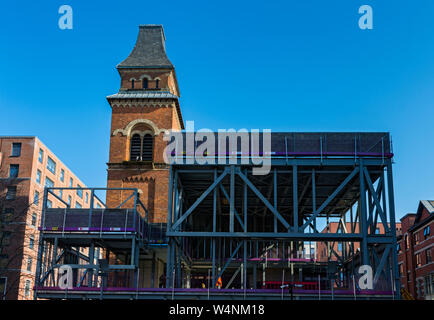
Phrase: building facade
[26,167]
[415,251]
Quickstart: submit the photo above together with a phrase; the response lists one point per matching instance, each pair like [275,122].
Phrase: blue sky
[283,65]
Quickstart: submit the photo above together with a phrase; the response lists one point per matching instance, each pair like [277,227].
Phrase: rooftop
[149,51]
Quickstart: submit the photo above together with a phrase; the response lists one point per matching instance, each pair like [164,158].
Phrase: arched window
[157,83]
[132,83]
[145,83]
[147,147]
[135,147]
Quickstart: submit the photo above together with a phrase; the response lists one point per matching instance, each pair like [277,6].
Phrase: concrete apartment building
[26,167]
[415,252]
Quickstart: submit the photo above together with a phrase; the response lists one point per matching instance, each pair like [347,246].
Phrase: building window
[38,176]
[51,165]
[141,149]
[406,242]
[148,142]
[428,256]
[60,193]
[41,155]
[416,238]
[62,175]
[5,238]
[71,182]
[429,285]
[8,214]
[29,263]
[418,260]
[16,149]
[4,260]
[426,232]
[340,247]
[77,205]
[49,204]
[87,197]
[13,170]
[145,83]
[132,83]
[157,83]
[27,286]
[135,148]
[36,199]
[49,183]
[34,219]
[69,201]
[79,191]
[31,242]
[3,284]
[11,193]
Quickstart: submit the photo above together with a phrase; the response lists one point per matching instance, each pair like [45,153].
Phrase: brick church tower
[145,106]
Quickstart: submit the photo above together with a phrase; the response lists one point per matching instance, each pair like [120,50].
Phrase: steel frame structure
[299,191]
[59,245]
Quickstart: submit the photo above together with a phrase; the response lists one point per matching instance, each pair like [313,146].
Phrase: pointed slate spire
[149,51]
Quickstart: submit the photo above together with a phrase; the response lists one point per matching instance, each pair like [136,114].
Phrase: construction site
[217,230]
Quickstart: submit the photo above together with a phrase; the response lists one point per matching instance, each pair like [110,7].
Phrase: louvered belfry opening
[148,142]
[135,147]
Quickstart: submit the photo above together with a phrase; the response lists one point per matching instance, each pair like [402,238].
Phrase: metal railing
[125,218]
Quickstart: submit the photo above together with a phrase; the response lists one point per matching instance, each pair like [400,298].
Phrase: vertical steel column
[153,270]
[214,228]
[40,246]
[91,207]
[176,257]
[275,197]
[313,198]
[169,228]
[178,266]
[245,265]
[54,255]
[391,195]
[245,203]
[295,197]
[232,200]
[91,262]
[363,216]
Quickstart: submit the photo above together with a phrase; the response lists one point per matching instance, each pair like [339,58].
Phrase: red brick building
[26,167]
[415,251]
